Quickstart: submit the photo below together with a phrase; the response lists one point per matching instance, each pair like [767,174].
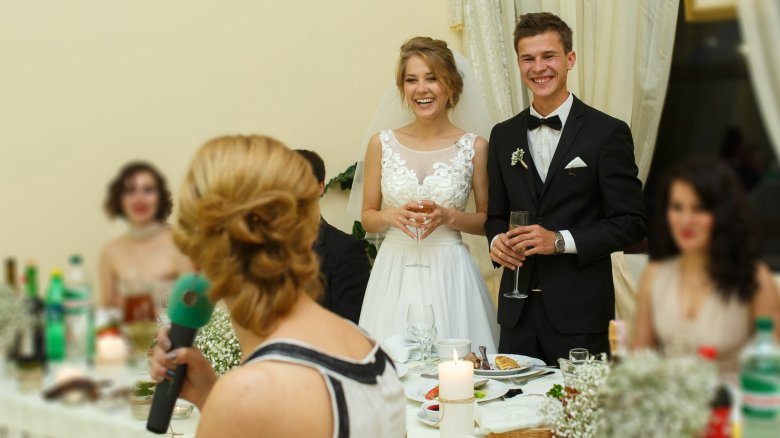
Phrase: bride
[417,178]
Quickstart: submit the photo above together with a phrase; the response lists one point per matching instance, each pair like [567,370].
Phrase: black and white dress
[366,396]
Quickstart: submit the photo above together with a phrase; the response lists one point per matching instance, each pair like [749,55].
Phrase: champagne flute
[423,193]
[517,219]
[421,326]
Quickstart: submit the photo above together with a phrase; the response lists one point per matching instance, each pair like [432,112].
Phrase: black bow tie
[553,122]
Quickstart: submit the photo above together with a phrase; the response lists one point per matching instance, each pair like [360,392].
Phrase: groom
[572,167]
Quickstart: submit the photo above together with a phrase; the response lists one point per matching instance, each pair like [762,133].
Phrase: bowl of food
[431,411]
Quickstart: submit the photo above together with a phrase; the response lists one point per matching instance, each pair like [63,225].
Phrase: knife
[485,362]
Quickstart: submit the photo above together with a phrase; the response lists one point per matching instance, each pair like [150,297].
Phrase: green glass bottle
[55,318]
[760,383]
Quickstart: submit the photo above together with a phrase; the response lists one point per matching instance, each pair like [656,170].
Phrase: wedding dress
[451,283]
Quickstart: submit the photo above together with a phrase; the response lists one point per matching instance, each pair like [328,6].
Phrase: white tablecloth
[30,416]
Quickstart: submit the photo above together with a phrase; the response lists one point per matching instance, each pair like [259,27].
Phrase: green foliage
[344,179]
[359,233]
[556,392]
[144,389]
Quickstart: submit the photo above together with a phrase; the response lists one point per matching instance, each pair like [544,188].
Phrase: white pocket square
[576,163]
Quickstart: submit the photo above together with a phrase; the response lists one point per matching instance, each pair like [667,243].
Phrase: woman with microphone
[248,216]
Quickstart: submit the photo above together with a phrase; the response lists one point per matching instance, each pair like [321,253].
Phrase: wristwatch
[560,244]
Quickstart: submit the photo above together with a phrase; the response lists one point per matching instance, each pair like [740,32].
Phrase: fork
[520,381]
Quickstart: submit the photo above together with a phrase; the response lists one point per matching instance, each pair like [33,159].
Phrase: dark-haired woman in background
[706,283]
[145,257]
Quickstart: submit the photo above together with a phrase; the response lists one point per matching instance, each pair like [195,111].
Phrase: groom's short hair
[536,23]
[317,165]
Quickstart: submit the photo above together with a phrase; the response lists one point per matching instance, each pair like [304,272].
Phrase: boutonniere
[517,157]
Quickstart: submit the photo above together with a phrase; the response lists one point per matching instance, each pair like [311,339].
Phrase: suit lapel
[570,131]
[527,174]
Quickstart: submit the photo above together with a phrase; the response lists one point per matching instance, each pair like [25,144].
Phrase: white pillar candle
[111,350]
[456,383]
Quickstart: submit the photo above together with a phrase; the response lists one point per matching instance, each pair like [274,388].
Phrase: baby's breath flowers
[217,341]
[13,315]
[644,395]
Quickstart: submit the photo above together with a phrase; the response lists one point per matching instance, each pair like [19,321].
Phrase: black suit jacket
[345,270]
[601,205]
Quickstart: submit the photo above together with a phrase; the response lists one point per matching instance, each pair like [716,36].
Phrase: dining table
[29,415]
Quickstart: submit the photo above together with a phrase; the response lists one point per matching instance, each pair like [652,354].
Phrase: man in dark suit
[344,264]
[572,168]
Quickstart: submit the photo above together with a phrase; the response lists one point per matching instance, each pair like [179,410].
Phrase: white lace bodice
[445,173]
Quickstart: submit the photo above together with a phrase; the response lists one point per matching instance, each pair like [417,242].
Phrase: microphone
[189,309]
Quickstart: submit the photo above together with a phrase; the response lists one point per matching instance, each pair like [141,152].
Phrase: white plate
[424,420]
[526,365]
[416,390]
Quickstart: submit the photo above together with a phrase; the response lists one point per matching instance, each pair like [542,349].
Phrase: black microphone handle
[167,391]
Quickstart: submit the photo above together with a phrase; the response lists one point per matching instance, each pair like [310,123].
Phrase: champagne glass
[423,193]
[421,326]
[517,219]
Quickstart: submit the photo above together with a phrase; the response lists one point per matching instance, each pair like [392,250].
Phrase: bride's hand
[400,217]
[438,215]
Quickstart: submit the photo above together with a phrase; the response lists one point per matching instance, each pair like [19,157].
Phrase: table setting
[504,407]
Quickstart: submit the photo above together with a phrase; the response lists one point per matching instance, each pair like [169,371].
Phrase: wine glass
[423,193]
[421,326]
[517,219]
[578,355]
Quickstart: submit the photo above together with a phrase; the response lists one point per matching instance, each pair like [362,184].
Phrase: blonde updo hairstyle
[248,216]
[440,60]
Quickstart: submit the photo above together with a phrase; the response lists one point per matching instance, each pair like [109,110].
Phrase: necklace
[143,232]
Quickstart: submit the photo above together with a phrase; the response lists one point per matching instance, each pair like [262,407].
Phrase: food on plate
[474,359]
[506,363]
[433,394]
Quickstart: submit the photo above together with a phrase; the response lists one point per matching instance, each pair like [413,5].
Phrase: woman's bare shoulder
[114,246]
[273,396]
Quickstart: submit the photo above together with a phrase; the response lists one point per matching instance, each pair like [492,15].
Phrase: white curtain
[624,54]
[759,21]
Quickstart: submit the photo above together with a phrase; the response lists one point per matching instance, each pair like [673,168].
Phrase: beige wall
[87,85]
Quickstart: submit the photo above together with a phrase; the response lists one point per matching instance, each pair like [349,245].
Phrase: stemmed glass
[518,219]
[423,193]
[578,355]
[421,326]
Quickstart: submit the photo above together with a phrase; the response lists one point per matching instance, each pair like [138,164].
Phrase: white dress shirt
[542,143]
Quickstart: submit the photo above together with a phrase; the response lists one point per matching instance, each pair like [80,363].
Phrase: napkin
[576,163]
[521,412]
[398,348]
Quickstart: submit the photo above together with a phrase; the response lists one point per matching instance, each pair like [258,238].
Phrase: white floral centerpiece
[218,342]
[574,411]
[644,395]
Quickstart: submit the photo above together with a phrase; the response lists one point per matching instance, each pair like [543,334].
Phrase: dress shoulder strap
[292,351]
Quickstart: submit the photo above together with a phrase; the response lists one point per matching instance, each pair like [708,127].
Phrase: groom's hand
[532,239]
[502,253]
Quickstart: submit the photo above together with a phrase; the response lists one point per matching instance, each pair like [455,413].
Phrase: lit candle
[111,350]
[456,386]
